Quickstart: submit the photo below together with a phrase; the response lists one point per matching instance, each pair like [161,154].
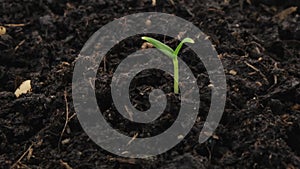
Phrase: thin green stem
[176,75]
[167,50]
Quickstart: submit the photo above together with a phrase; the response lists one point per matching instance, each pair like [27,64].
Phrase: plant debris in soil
[258,43]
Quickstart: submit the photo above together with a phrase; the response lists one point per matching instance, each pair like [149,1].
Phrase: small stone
[148,22]
[2,30]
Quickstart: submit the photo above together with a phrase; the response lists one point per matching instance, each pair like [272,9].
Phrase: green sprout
[167,50]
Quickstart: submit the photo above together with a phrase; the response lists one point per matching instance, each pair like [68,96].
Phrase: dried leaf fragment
[24,88]
[29,155]
[283,14]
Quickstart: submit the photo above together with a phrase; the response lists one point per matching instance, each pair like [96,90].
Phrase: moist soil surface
[258,43]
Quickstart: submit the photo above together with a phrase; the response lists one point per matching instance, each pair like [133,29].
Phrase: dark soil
[260,127]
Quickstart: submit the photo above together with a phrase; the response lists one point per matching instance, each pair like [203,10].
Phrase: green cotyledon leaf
[185,40]
[167,50]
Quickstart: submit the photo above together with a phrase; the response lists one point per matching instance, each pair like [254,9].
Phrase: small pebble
[148,22]
[2,30]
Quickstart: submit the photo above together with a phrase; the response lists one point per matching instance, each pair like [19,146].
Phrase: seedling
[167,50]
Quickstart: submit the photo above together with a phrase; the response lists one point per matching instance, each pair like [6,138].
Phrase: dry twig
[133,138]
[16,25]
[22,156]
[257,70]
[65,164]
[68,118]
[20,44]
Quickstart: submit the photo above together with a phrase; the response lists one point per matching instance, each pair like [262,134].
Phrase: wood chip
[232,72]
[146,45]
[24,88]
